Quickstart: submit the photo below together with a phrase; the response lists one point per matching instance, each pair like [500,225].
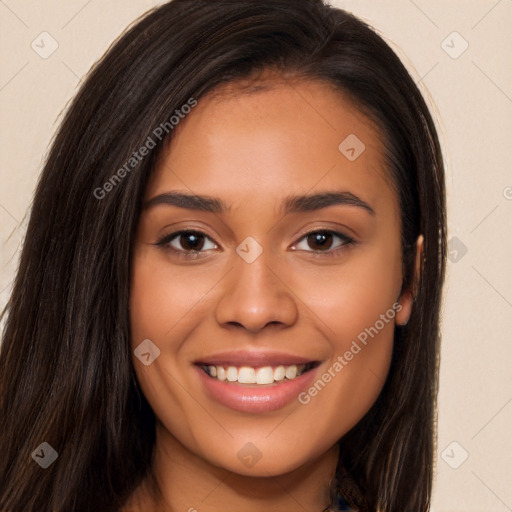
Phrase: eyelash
[192,255]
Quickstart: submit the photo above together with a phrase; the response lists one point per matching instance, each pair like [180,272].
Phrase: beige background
[471,95]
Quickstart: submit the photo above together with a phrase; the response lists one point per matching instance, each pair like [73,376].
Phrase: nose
[256,295]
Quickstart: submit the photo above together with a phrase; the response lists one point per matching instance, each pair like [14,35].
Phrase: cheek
[163,298]
[357,305]
[351,297]
[360,333]
[163,304]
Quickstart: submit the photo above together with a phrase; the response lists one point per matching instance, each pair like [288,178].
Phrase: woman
[229,293]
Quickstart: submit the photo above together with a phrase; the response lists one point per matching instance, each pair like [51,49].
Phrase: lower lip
[254,398]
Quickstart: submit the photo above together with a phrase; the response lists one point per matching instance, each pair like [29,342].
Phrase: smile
[257,375]
[255,381]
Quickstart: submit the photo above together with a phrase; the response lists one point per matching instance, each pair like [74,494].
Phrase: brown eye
[191,241]
[187,242]
[322,242]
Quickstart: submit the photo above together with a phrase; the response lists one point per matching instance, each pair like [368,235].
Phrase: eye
[191,244]
[322,242]
[187,243]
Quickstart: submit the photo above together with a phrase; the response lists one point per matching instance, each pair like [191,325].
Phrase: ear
[408,296]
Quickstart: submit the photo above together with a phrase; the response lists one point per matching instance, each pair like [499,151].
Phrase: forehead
[274,138]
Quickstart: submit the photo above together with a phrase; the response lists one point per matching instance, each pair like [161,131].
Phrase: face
[270,303]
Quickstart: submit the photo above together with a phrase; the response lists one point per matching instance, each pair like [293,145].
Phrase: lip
[254,359]
[255,398]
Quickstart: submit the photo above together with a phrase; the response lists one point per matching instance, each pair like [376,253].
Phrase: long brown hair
[66,376]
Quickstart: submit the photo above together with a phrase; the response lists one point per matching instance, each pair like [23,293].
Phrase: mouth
[255,382]
[256,375]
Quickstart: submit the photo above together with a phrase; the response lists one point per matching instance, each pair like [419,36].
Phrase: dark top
[345,494]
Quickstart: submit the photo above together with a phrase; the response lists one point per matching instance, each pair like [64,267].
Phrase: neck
[189,483]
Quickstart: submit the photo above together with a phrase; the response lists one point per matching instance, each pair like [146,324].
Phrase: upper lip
[253,358]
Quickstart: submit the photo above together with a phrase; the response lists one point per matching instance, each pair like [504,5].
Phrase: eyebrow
[291,204]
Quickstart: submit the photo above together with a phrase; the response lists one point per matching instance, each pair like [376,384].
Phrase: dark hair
[66,375]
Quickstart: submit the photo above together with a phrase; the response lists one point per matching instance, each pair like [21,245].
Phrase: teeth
[279,373]
[265,375]
[221,373]
[232,374]
[246,375]
[291,372]
[261,375]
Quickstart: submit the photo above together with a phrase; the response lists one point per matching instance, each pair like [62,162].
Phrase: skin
[252,149]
